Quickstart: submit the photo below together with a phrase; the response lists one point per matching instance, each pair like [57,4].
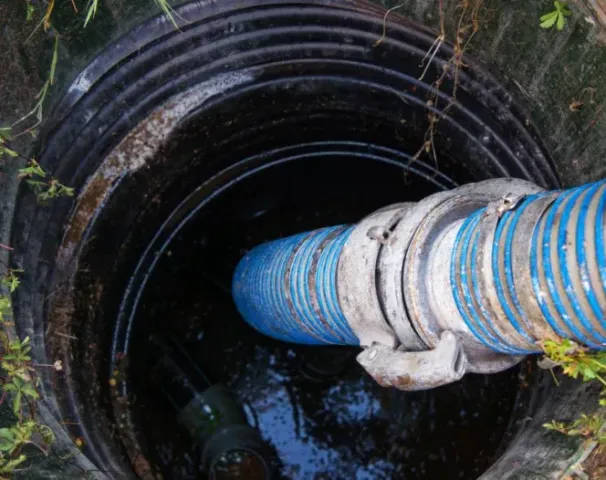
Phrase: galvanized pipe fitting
[468,280]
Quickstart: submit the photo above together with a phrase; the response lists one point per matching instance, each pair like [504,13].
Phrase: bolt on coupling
[467,280]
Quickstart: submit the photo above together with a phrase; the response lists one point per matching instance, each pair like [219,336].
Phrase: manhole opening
[308,125]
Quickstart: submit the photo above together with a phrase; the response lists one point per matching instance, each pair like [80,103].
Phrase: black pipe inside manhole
[255,121]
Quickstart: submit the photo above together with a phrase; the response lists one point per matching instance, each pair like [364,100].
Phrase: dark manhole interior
[322,416]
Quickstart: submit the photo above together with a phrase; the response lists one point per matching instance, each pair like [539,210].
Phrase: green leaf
[17,404]
[10,152]
[7,440]
[92,11]
[548,16]
[33,169]
[561,22]
[29,12]
[549,20]
[588,373]
[15,462]
[5,302]
[11,280]
[558,426]
[168,11]
[29,390]
[53,67]
[10,465]
[10,387]
[67,191]
[46,433]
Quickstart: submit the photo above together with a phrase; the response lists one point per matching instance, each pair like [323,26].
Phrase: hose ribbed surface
[465,280]
[568,265]
[567,272]
[287,289]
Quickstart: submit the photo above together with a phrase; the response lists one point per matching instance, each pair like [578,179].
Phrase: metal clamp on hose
[416,370]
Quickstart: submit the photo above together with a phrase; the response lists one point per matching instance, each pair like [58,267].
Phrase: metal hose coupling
[468,280]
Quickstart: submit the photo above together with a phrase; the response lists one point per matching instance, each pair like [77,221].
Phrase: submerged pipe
[469,280]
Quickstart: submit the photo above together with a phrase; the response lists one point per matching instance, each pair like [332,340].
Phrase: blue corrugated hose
[567,271]
[287,288]
[533,271]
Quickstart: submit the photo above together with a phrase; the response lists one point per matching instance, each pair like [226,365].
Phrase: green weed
[18,378]
[46,188]
[579,363]
[556,17]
